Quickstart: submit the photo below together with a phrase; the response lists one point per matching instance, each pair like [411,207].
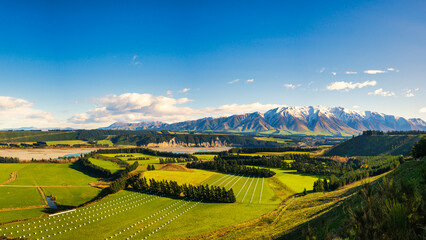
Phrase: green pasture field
[71,196]
[9,216]
[272,139]
[247,189]
[105,142]
[205,156]
[296,181]
[68,142]
[45,174]
[113,167]
[128,216]
[194,177]
[15,197]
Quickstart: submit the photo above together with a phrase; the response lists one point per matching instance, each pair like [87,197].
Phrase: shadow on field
[76,166]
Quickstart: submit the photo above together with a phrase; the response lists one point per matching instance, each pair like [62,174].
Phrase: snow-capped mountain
[309,120]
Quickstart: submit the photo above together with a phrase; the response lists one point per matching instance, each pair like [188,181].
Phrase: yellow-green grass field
[205,156]
[112,166]
[272,139]
[295,181]
[194,177]
[138,215]
[105,142]
[68,142]
[250,190]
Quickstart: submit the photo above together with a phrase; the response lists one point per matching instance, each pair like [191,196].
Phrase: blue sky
[91,63]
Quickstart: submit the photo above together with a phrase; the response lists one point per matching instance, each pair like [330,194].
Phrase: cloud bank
[349,85]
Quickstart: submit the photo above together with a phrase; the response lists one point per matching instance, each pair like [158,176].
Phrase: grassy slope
[296,181]
[290,217]
[14,197]
[113,167]
[375,145]
[34,136]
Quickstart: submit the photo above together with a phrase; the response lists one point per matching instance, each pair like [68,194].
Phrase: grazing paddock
[136,215]
[71,196]
[15,197]
[194,177]
[247,189]
[112,166]
[45,174]
[21,214]
[296,181]
[67,142]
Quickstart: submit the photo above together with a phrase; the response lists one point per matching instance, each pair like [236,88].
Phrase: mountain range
[315,120]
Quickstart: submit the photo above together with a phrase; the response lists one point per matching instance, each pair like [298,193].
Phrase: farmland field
[194,177]
[138,215]
[113,167]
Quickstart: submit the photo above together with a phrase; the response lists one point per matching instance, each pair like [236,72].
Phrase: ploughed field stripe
[218,179]
[261,190]
[236,176]
[247,189]
[239,178]
[229,177]
[242,187]
[254,190]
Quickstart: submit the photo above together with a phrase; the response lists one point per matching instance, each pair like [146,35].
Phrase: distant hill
[366,145]
[290,120]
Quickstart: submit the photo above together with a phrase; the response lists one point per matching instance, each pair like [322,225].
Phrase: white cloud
[134,60]
[333,73]
[349,85]
[234,81]
[374,71]
[349,72]
[422,110]
[169,93]
[410,92]
[292,86]
[136,107]
[322,70]
[17,112]
[391,69]
[382,93]
[356,107]
[250,80]
[185,90]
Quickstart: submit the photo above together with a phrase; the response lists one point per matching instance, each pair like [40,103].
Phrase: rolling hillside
[366,145]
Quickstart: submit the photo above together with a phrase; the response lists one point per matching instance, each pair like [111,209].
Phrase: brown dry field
[42,153]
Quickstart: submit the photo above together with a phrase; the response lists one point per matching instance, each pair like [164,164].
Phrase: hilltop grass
[194,177]
[113,167]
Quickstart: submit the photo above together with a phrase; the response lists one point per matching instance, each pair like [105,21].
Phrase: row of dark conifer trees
[231,168]
[172,188]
